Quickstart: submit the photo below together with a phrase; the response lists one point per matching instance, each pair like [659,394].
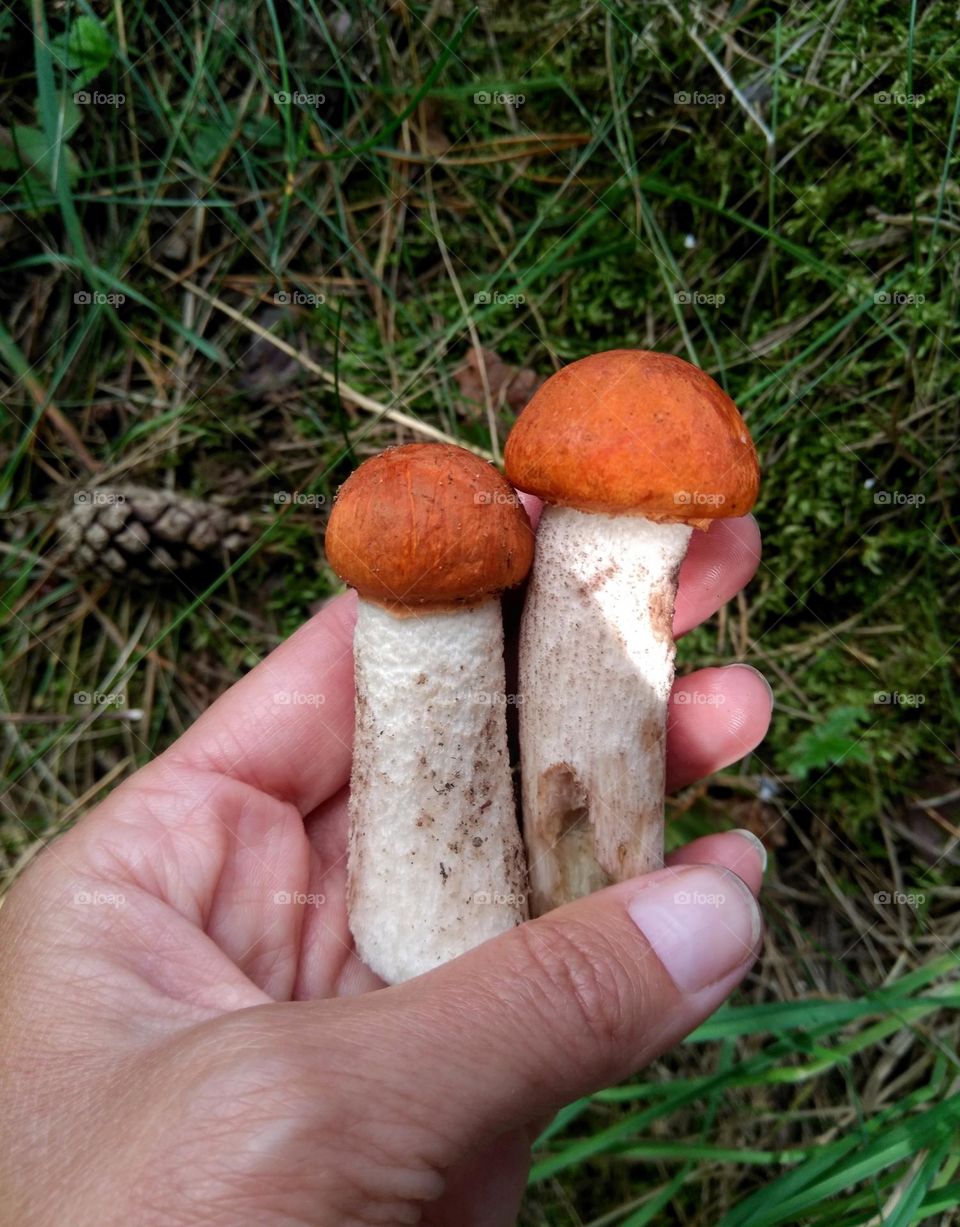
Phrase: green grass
[607,211]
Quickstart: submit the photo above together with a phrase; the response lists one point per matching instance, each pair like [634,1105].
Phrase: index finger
[287,727]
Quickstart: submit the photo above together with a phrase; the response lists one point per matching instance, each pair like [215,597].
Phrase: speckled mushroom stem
[436,862]
[596,671]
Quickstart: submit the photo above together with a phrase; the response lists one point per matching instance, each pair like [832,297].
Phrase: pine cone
[140,533]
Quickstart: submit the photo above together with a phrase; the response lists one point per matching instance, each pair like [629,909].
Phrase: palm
[215,903]
[252,896]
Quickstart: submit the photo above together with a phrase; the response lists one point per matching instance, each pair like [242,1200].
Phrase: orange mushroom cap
[428,524]
[631,431]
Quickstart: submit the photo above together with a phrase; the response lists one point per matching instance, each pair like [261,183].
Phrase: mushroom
[429,535]
[631,450]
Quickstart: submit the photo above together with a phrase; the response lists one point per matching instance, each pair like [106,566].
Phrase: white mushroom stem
[436,861]
[596,671]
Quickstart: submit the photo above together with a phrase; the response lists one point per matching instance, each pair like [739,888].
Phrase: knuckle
[578,982]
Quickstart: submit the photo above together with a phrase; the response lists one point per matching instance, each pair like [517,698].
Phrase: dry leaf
[428,130]
[510,386]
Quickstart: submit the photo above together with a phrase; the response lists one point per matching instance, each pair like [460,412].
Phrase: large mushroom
[631,450]
[429,535]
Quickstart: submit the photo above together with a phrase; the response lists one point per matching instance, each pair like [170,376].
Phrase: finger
[739,851]
[718,564]
[566,1004]
[329,966]
[287,727]
[716,716]
[533,506]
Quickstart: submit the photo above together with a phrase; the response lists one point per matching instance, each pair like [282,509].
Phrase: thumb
[570,1003]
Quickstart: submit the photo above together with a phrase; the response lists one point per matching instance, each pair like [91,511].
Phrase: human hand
[187,1036]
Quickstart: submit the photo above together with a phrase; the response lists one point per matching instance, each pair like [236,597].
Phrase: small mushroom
[632,450]
[429,535]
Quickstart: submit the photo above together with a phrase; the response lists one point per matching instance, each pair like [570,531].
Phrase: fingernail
[701,921]
[754,843]
[763,679]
